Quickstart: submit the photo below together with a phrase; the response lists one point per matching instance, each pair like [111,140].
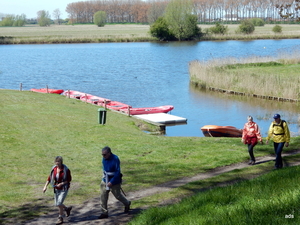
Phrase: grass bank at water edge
[35,127]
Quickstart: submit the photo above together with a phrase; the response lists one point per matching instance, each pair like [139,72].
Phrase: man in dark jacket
[111,181]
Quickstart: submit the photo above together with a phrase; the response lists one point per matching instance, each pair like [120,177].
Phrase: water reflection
[216,108]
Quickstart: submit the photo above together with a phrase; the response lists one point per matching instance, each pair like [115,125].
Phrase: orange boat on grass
[221,131]
[48,90]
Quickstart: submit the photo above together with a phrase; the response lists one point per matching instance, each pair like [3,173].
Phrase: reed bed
[268,77]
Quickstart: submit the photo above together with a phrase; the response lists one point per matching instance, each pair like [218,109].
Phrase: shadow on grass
[24,212]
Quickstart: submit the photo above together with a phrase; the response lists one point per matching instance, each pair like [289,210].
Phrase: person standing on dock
[280,133]
[251,135]
[111,181]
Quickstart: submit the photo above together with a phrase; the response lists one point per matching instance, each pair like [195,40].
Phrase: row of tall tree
[13,21]
[139,11]
[43,19]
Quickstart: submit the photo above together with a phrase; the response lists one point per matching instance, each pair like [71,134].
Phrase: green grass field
[75,34]
[34,34]
[270,199]
[37,127]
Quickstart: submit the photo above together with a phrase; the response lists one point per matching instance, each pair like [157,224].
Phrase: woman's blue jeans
[278,149]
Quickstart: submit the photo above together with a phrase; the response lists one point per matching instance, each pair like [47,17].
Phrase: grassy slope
[34,128]
[270,199]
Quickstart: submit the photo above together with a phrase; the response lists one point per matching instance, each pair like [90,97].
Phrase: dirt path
[88,212]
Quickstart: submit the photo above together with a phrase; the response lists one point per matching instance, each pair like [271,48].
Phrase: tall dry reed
[263,76]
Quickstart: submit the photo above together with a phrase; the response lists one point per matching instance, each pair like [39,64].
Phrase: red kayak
[114,105]
[48,90]
[74,94]
[149,110]
[221,131]
[93,99]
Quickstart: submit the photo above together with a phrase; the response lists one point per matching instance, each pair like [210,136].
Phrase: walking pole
[123,191]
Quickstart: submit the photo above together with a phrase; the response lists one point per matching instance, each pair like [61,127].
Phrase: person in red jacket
[60,178]
[251,135]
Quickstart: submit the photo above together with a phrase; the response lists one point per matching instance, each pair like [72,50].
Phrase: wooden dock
[162,118]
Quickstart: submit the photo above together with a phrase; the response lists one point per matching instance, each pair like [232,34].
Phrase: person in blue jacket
[111,181]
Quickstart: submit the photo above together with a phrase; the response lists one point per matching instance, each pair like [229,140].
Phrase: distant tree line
[13,21]
[139,11]
[148,11]
[43,19]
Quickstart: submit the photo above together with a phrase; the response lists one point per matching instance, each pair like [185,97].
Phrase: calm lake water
[147,74]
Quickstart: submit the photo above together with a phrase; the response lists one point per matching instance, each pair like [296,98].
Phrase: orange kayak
[221,131]
[48,90]
[148,110]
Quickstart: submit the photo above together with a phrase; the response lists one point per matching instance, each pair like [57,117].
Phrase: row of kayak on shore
[107,103]
[207,130]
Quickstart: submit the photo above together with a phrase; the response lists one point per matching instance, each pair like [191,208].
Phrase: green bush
[160,30]
[189,29]
[192,30]
[100,18]
[219,29]
[246,27]
[277,29]
[257,22]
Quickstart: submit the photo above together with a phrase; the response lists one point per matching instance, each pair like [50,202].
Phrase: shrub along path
[88,212]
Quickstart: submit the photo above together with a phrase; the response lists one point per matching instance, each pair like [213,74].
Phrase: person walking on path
[111,181]
[251,135]
[280,133]
[60,178]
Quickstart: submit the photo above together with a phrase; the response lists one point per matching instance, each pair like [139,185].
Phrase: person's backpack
[281,124]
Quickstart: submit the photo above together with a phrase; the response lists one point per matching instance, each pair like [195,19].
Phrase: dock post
[162,129]
[21,86]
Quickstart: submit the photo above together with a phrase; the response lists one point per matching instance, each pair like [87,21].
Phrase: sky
[31,7]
